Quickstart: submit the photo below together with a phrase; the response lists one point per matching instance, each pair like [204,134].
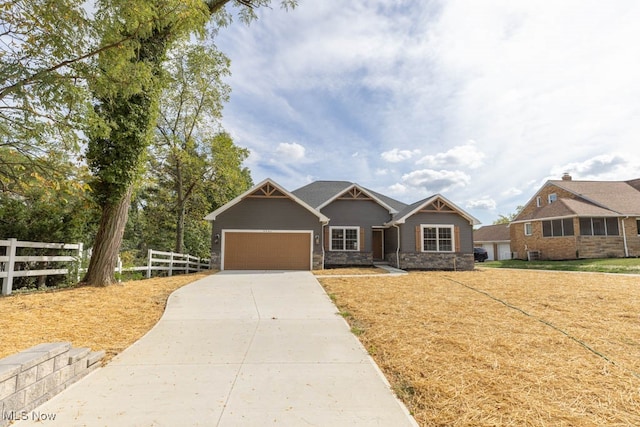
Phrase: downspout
[322,243]
[624,238]
[397,246]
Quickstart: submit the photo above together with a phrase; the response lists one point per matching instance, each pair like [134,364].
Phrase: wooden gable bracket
[438,207]
[354,194]
[268,190]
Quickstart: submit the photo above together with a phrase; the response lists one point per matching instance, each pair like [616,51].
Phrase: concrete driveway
[238,349]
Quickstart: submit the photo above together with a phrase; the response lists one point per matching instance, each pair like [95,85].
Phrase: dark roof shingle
[492,233]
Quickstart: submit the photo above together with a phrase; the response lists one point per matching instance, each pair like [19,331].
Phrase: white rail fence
[13,264]
[170,262]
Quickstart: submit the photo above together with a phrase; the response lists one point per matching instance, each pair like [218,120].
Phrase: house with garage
[338,223]
[569,219]
[495,239]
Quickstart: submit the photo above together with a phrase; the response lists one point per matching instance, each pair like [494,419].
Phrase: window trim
[438,227]
[538,201]
[344,238]
[552,198]
[530,226]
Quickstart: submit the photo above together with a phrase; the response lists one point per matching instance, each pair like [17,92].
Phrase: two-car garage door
[266,250]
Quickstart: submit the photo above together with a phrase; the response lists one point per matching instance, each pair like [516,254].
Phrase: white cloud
[486,203]
[398,188]
[396,155]
[511,192]
[592,168]
[289,152]
[467,155]
[436,181]
[382,172]
[543,88]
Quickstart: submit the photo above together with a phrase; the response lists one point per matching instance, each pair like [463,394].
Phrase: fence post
[79,268]
[119,269]
[171,265]
[149,263]
[188,265]
[7,283]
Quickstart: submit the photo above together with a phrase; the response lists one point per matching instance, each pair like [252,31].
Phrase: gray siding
[361,213]
[390,240]
[408,230]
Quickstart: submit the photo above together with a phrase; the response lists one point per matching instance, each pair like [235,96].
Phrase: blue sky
[481,101]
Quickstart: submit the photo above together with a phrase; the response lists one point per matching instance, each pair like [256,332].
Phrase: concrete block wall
[35,375]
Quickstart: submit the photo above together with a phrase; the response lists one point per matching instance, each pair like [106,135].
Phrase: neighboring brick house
[569,219]
[495,239]
[334,223]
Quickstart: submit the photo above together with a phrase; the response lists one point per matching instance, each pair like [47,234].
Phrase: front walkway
[237,349]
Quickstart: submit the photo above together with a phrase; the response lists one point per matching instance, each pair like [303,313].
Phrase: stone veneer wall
[214,264]
[432,261]
[33,376]
[600,247]
[345,258]
[317,261]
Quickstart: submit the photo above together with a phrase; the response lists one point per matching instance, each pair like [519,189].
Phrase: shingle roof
[593,198]
[318,193]
[492,233]
[213,215]
[619,196]
[409,210]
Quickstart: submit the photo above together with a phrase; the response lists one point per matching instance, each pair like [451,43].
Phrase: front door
[377,243]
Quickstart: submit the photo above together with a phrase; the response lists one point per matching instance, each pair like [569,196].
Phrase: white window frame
[438,227]
[529,226]
[552,197]
[538,201]
[344,238]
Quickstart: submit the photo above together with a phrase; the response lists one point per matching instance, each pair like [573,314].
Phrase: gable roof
[618,196]
[593,198]
[321,193]
[492,233]
[407,211]
[267,188]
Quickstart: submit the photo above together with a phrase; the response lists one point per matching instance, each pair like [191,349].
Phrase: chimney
[566,177]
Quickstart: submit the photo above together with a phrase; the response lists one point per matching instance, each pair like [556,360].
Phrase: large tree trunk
[108,241]
[180,229]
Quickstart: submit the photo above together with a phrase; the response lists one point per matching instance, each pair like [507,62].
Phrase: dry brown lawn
[503,348]
[349,271]
[101,318]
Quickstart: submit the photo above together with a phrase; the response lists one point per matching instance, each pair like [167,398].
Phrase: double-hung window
[345,238]
[438,238]
[528,229]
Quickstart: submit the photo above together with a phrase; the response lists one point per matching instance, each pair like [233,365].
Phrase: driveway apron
[237,349]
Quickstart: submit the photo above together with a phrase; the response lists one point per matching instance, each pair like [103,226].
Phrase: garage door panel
[267,251]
